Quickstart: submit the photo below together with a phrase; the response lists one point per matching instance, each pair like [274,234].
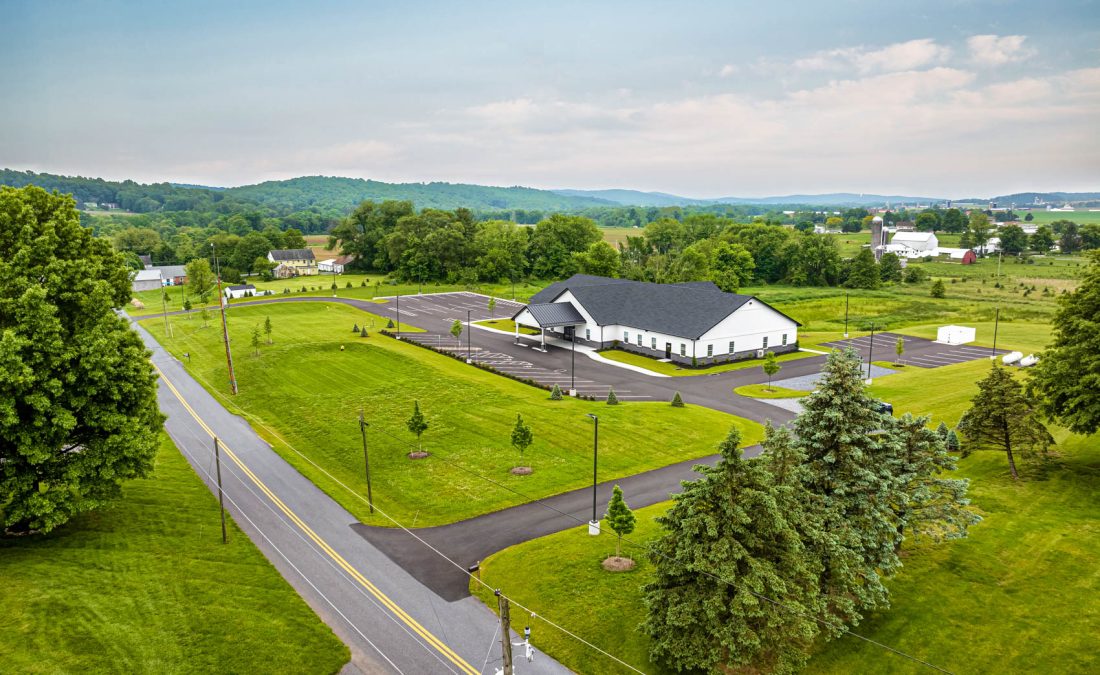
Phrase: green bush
[612,399]
[555,393]
[677,401]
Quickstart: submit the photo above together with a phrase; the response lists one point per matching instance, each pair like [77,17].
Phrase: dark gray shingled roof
[552,314]
[292,254]
[684,310]
[241,287]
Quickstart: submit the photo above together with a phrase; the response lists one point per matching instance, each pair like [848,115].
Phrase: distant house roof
[292,254]
[903,237]
[146,260]
[147,275]
[171,271]
[344,259]
[552,314]
[241,287]
[685,310]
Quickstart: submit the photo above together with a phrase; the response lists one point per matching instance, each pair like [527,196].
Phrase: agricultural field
[618,235]
[303,394]
[1029,569]
[1080,217]
[145,585]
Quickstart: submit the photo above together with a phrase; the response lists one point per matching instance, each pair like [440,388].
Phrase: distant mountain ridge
[638,198]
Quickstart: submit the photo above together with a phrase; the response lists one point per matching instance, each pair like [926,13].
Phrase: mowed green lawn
[145,585]
[676,370]
[307,392]
[1021,594]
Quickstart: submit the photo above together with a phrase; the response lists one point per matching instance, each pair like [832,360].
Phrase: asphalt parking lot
[918,351]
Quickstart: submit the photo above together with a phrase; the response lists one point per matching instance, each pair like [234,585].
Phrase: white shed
[955,335]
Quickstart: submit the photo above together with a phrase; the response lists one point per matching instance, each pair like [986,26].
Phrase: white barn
[689,322]
[240,291]
[913,244]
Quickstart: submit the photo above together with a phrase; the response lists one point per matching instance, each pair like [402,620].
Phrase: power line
[530,499]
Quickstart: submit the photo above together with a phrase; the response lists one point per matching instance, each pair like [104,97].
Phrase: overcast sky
[944,99]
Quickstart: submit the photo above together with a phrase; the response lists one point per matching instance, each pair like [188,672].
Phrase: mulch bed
[618,564]
[419,454]
[522,471]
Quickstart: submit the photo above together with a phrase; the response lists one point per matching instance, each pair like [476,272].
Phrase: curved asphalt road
[391,621]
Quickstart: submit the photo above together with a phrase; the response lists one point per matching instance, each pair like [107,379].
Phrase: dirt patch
[522,471]
[618,564]
[419,454]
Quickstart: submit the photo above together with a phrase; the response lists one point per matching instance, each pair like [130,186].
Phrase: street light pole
[573,361]
[398,316]
[845,314]
[366,458]
[870,352]
[594,524]
[996,324]
[468,331]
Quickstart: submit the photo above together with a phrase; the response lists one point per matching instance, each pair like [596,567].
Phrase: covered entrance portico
[547,316]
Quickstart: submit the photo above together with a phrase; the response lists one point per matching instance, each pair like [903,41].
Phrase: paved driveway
[918,351]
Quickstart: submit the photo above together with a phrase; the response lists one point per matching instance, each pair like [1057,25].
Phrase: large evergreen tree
[1004,419]
[729,544]
[844,439]
[1068,375]
[78,408]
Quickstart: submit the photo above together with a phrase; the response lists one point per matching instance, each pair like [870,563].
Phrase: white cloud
[898,56]
[727,70]
[994,50]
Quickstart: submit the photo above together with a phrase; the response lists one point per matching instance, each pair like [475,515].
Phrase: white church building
[687,323]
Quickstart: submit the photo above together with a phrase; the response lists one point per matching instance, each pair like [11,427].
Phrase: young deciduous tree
[521,436]
[1067,378]
[492,307]
[1004,419]
[863,272]
[938,289]
[200,278]
[417,424]
[771,367]
[727,542]
[899,349]
[255,341]
[844,439]
[889,267]
[187,306]
[619,518]
[78,407]
[456,329]
[267,328]
[205,314]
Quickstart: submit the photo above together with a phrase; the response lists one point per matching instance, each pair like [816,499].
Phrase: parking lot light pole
[573,362]
[996,324]
[845,315]
[870,352]
[469,356]
[398,316]
[594,524]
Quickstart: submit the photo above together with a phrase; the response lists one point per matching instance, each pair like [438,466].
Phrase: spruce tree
[929,503]
[1003,419]
[612,399]
[363,332]
[555,393]
[952,441]
[841,433]
[677,401]
[727,542]
[619,518]
[389,323]
[355,328]
[417,424]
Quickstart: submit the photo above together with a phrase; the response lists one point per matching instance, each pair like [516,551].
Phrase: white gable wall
[747,327]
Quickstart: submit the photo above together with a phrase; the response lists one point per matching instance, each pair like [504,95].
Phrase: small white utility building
[955,335]
[240,291]
[693,322]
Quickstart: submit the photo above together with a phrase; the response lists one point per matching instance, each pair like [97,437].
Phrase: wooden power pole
[221,498]
[505,634]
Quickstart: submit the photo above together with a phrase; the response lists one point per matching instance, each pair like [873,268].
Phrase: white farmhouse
[688,322]
[913,244]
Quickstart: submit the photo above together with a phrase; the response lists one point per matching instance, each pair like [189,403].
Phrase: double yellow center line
[336,557]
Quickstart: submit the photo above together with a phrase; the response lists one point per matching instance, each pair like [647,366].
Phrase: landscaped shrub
[677,401]
[363,332]
[612,399]
[355,329]
[389,324]
[555,393]
[347,285]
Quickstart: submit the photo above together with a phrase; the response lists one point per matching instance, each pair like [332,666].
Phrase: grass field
[507,325]
[1079,217]
[618,235]
[1019,595]
[764,391]
[676,370]
[303,390]
[375,286]
[145,585]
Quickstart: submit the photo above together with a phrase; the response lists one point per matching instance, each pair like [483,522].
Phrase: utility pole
[225,326]
[366,458]
[221,498]
[870,352]
[505,633]
[594,524]
[845,314]
[164,303]
[996,324]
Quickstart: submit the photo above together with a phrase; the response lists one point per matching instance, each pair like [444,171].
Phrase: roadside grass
[507,325]
[321,286]
[676,370]
[303,392]
[1020,594]
[764,391]
[896,366]
[145,585]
